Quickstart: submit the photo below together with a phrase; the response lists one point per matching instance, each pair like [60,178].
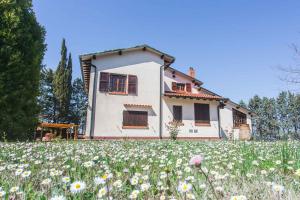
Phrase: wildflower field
[150,170]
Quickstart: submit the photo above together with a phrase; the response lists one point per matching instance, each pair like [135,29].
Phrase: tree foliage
[78,103]
[21,52]
[63,85]
[276,117]
[47,100]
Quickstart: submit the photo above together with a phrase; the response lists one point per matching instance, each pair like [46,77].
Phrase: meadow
[150,170]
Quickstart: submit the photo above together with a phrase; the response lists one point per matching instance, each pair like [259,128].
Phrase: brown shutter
[135,118]
[104,81]
[174,86]
[132,84]
[201,113]
[188,87]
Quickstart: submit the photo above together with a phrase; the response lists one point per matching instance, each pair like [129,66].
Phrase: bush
[173,128]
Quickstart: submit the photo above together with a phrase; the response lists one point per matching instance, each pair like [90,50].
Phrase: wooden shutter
[188,87]
[202,115]
[132,84]
[104,82]
[135,118]
[177,113]
[174,86]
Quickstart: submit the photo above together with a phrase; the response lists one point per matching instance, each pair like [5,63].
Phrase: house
[135,93]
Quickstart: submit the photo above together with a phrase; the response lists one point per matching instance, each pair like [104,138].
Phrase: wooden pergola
[60,127]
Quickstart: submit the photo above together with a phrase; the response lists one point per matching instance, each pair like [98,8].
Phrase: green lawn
[149,170]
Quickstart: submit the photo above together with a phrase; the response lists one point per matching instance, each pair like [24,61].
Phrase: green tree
[283,111]
[21,52]
[78,103]
[243,104]
[294,113]
[63,84]
[255,105]
[47,101]
[269,118]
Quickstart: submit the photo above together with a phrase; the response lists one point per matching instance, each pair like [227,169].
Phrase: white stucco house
[135,93]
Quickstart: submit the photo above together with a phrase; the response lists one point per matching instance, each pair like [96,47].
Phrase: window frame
[140,125]
[106,83]
[118,77]
[180,113]
[198,114]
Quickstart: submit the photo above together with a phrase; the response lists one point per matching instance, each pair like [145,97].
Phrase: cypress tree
[63,84]
[21,52]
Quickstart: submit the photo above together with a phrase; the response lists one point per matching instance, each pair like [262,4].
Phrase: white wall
[109,108]
[168,79]
[226,118]
[146,66]
[188,118]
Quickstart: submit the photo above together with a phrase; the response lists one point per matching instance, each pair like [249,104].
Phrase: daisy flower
[145,186]
[14,189]
[58,197]
[297,173]
[66,179]
[134,194]
[184,187]
[2,194]
[240,197]
[102,192]
[26,174]
[278,189]
[77,186]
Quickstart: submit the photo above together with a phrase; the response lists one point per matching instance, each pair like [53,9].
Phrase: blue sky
[234,45]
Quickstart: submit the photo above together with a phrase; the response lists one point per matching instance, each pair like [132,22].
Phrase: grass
[149,170]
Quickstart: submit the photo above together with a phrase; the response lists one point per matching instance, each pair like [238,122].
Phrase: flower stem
[210,183]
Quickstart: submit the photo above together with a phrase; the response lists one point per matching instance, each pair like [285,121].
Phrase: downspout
[220,106]
[93,102]
[219,122]
[161,97]
[160,100]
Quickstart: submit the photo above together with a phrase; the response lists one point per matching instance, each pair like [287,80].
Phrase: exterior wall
[226,119]
[146,66]
[109,108]
[188,118]
[168,79]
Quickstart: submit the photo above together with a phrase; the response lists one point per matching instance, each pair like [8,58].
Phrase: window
[117,83]
[138,119]
[181,87]
[132,84]
[238,118]
[202,116]
[177,113]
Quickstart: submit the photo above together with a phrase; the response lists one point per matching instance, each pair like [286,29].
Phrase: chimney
[192,72]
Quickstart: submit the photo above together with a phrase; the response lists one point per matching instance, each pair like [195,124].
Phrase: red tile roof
[192,95]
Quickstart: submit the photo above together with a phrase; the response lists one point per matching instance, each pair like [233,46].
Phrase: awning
[137,105]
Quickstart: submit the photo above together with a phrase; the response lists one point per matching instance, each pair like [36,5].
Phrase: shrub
[173,128]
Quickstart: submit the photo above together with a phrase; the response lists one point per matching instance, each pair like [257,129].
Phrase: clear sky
[234,45]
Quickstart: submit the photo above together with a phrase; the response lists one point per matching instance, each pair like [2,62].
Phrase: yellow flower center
[104,177]
[77,186]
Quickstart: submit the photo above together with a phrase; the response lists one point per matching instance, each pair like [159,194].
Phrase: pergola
[60,127]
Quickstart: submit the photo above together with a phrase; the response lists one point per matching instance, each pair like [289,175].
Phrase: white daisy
[58,197]
[77,186]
